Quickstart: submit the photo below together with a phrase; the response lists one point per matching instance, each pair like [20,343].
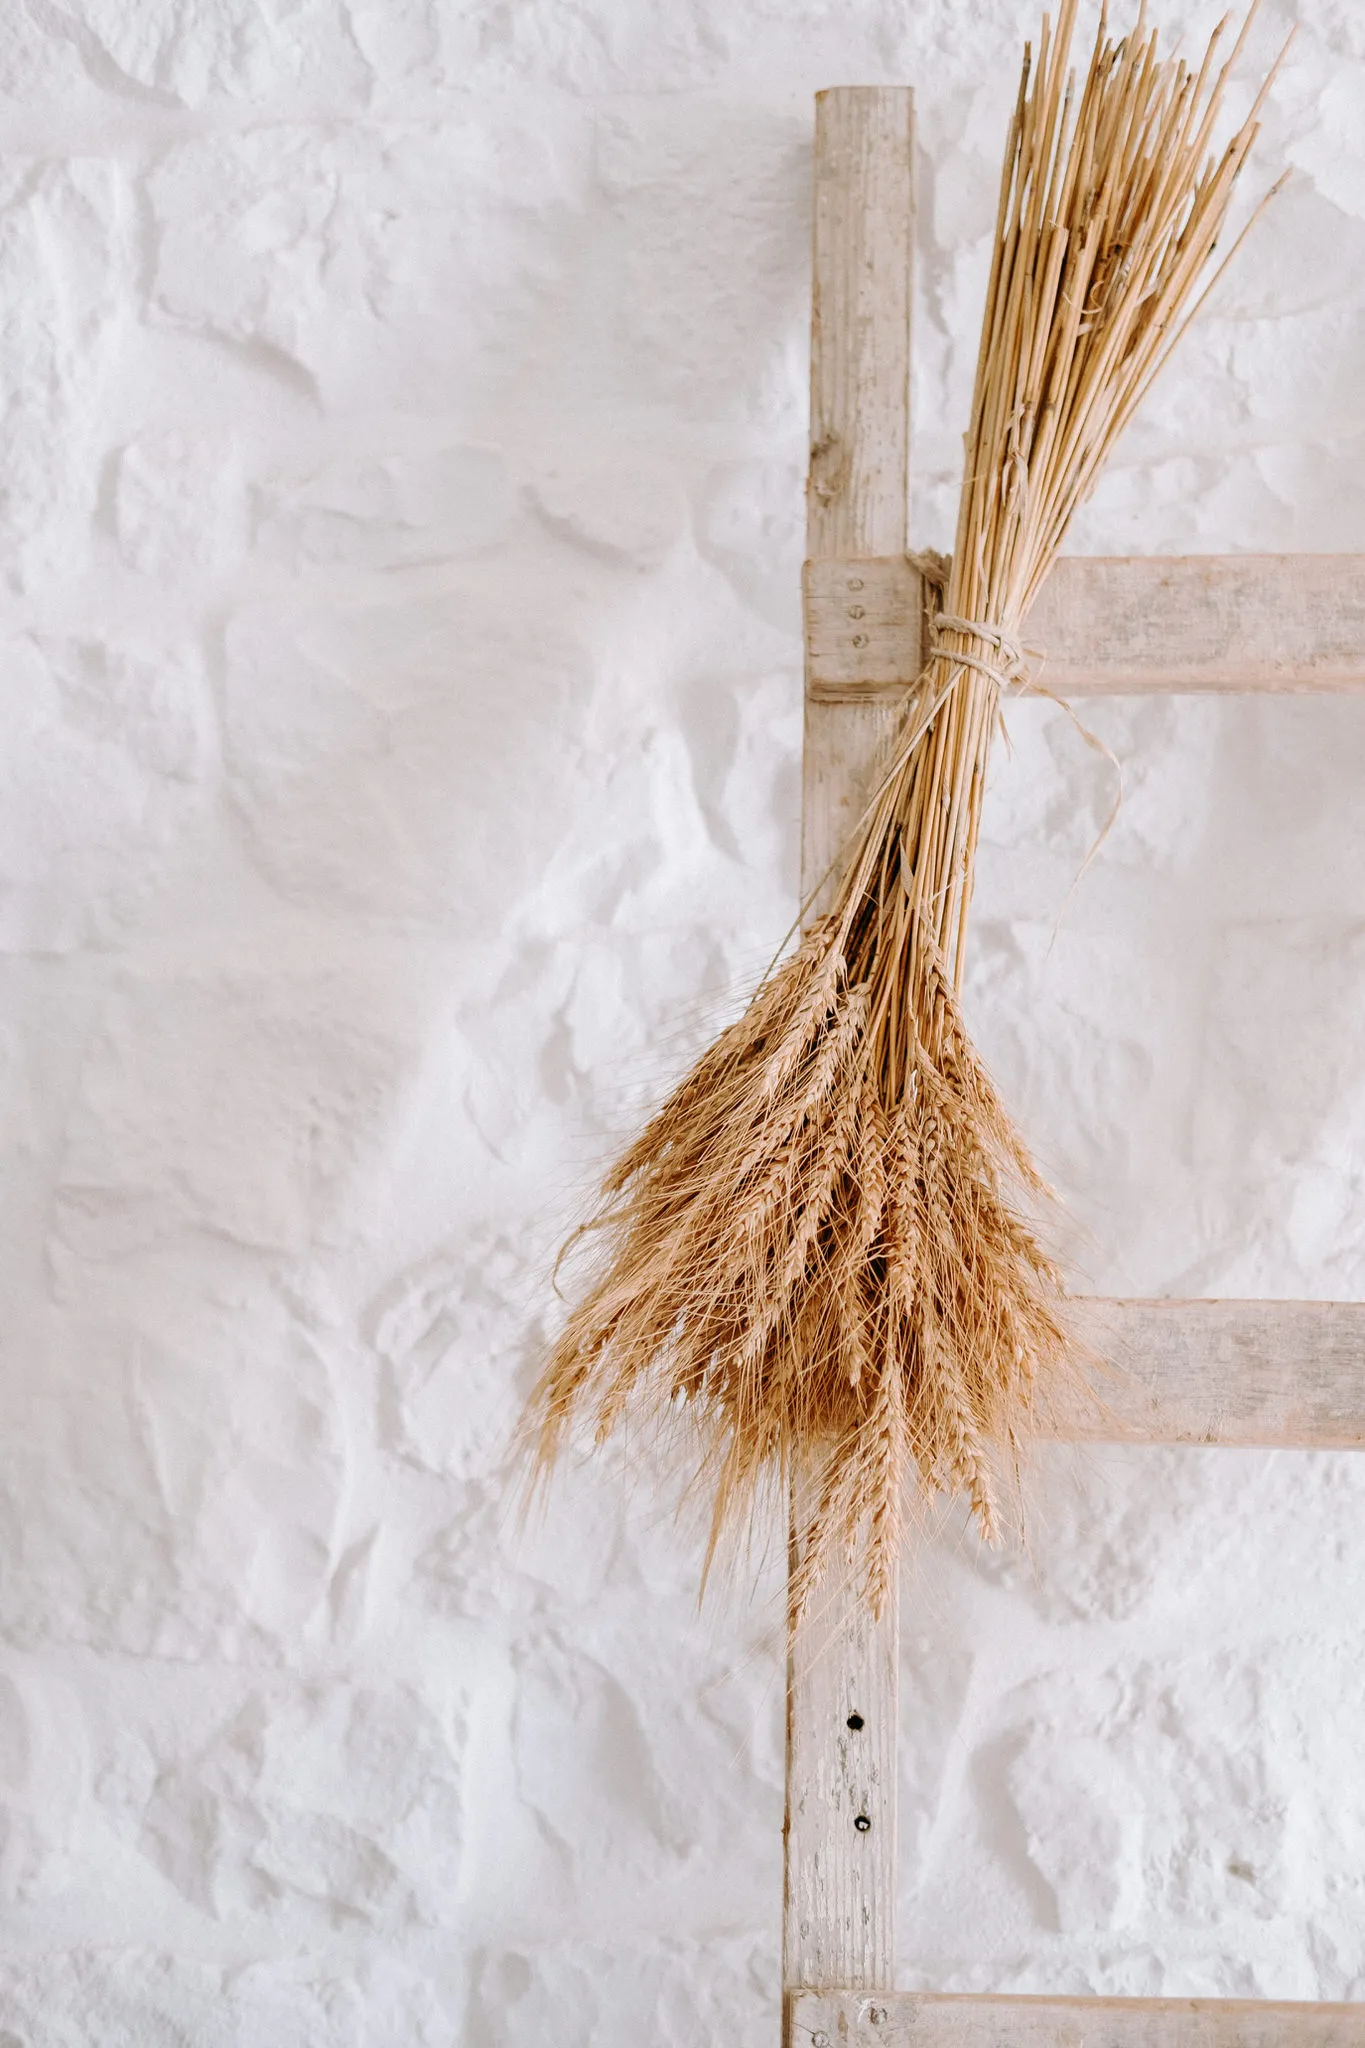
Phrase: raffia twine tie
[1010,672]
[1011,675]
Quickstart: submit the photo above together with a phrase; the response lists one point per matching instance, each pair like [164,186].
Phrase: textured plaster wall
[401,444]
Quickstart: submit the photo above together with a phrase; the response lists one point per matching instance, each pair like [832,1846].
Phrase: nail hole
[855,1721]
[860,639]
[862,1823]
[855,582]
[856,611]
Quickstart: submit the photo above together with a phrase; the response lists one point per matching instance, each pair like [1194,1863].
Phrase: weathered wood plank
[921,2020]
[1286,1373]
[1106,625]
[867,626]
[841,1779]
[1201,622]
[842,1696]
[858,488]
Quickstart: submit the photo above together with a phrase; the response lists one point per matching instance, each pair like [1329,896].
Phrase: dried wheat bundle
[820,1245]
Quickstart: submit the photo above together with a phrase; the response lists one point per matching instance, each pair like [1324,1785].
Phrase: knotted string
[1012,673]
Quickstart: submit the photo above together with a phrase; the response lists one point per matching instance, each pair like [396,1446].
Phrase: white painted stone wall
[401,443]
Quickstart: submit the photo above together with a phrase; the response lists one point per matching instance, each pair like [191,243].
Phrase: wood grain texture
[838,1925]
[858,489]
[857,493]
[1110,625]
[842,745]
[1286,1373]
[921,2020]
[866,624]
[1201,622]
[841,1795]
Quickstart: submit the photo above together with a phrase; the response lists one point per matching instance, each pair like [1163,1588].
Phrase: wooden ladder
[1207,1372]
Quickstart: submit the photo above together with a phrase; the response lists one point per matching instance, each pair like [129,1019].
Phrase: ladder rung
[1279,1373]
[1113,624]
[901,2019]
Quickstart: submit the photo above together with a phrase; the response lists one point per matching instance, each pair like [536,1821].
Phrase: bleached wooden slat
[866,626]
[838,1925]
[1106,625]
[842,1692]
[921,2020]
[1111,624]
[858,485]
[1226,1372]
[858,488]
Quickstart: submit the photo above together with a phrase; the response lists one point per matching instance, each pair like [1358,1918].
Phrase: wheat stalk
[821,1244]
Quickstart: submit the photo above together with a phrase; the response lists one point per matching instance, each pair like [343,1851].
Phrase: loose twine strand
[1010,672]
[1012,676]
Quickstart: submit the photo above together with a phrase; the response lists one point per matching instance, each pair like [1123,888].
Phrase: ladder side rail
[840,1829]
